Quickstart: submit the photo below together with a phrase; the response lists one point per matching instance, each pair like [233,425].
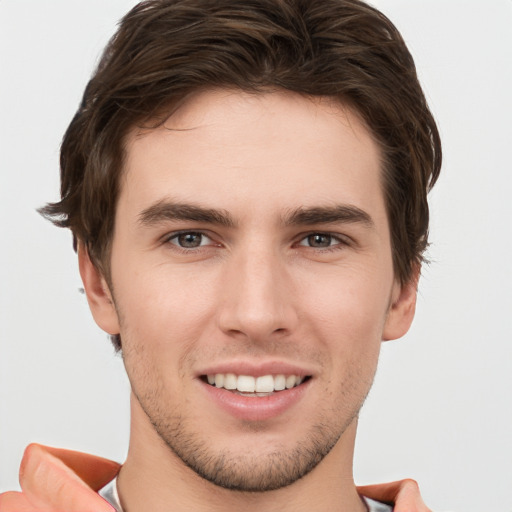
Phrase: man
[246,185]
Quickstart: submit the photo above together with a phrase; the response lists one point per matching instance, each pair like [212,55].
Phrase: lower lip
[256,408]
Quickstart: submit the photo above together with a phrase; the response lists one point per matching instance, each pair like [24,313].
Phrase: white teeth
[230,381]
[265,384]
[290,381]
[279,382]
[246,384]
[256,385]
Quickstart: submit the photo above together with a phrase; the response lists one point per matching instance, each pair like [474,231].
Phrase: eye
[321,241]
[190,240]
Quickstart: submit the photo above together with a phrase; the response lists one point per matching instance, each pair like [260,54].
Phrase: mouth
[252,386]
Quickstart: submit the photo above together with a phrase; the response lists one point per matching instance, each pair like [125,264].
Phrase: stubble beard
[247,472]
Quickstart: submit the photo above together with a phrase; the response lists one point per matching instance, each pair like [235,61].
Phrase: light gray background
[441,407]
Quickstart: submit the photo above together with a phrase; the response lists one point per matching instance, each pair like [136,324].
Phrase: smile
[256,394]
[248,385]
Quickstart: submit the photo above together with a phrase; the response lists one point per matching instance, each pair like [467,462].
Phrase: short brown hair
[165,50]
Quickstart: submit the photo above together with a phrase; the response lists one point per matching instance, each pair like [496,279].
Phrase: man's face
[251,251]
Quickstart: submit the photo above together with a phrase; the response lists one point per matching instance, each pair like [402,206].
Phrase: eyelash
[342,241]
[176,235]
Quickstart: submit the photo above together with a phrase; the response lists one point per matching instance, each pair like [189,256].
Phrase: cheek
[350,307]
[162,318]
[164,296]
[347,318]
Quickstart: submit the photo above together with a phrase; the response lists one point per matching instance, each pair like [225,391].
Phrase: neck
[154,478]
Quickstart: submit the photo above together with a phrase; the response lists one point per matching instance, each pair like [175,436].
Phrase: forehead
[243,150]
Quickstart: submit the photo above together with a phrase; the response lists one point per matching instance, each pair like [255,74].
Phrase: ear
[403,306]
[98,293]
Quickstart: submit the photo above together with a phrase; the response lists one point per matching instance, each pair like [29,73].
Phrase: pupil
[190,240]
[319,240]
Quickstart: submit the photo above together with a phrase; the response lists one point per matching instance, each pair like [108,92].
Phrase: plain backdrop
[441,407]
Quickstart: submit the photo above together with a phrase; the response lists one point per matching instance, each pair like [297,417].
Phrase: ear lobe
[401,312]
[98,293]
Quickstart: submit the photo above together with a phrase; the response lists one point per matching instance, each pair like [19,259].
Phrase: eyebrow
[165,210]
[327,215]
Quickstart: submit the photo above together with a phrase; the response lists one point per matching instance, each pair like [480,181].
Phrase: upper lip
[256,369]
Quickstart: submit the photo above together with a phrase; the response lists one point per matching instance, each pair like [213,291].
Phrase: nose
[258,299]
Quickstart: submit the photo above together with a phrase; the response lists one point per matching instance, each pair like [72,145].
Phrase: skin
[53,479]
[267,286]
